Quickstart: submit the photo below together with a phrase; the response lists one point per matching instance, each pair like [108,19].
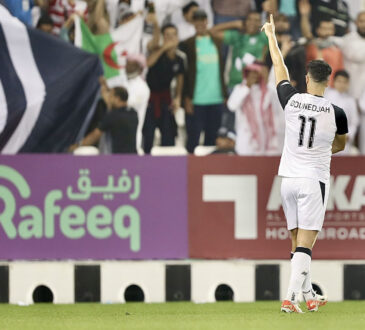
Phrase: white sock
[307,288]
[300,266]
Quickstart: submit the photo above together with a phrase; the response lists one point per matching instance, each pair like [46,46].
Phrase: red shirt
[332,55]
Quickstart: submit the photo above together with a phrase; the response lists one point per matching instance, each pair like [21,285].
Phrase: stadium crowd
[203,67]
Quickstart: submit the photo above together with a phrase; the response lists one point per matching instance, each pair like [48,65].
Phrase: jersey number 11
[313,122]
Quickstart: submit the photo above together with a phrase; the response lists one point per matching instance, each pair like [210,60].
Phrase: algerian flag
[112,47]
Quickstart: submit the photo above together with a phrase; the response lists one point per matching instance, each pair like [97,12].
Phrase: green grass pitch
[223,315]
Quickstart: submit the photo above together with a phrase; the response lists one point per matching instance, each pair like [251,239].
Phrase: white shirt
[362,103]
[186,29]
[353,48]
[139,94]
[311,124]
[253,136]
[348,104]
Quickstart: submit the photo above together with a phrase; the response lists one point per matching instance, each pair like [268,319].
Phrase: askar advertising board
[235,210]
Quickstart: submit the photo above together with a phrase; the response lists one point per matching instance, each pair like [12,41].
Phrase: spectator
[138,91]
[339,96]
[60,11]
[293,54]
[254,105]
[322,47]
[185,26]
[116,9]
[22,9]
[204,89]
[67,32]
[165,63]
[251,41]
[336,11]
[150,44]
[120,122]
[98,22]
[289,8]
[362,123]
[45,24]
[353,48]
[183,19]
[225,142]
[230,10]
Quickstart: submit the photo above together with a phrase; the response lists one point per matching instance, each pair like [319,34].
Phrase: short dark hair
[319,70]
[252,12]
[45,20]
[188,6]
[342,73]
[200,14]
[168,26]
[121,93]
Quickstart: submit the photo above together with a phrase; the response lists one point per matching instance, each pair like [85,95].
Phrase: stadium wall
[157,281]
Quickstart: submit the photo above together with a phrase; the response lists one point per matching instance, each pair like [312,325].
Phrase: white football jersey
[311,123]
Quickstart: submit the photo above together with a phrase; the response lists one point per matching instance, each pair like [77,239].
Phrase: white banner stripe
[21,54]
[3,108]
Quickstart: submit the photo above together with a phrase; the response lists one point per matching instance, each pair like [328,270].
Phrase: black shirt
[122,125]
[161,74]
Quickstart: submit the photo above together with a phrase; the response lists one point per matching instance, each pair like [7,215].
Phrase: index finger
[271,19]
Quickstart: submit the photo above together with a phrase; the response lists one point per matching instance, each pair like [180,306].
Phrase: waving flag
[113,47]
[47,89]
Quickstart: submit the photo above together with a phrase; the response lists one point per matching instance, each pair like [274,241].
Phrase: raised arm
[218,30]
[155,55]
[154,43]
[281,71]
[102,23]
[305,25]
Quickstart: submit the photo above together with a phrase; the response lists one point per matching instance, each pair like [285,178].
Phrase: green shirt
[208,88]
[242,44]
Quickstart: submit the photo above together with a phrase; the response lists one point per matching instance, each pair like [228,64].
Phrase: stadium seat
[86,151]
[168,151]
[204,150]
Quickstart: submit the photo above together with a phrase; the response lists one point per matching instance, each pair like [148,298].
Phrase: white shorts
[304,202]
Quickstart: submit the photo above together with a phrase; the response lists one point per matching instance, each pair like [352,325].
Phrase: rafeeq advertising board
[108,207]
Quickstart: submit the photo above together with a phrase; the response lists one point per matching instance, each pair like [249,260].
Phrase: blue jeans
[205,118]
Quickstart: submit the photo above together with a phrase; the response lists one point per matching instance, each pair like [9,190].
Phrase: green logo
[73,221]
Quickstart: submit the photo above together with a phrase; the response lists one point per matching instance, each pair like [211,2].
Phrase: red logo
[107,55]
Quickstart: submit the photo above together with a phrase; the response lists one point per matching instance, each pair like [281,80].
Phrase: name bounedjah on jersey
[311,125]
